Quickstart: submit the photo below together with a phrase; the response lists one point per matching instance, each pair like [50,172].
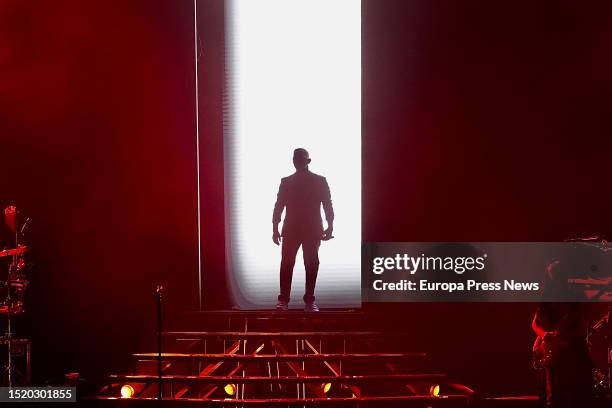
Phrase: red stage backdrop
[487,122]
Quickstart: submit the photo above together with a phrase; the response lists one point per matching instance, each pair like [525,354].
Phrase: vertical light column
[293,71]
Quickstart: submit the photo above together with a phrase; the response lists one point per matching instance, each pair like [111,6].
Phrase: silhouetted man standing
[302,194]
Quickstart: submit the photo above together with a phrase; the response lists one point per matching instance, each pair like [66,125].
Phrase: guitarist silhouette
[560,349]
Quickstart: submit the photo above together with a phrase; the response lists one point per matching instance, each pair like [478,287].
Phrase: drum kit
[599,339]
[14,268]
[13,265]
[13,286]
[597,287]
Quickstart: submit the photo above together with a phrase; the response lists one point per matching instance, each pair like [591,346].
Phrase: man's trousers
[310,250]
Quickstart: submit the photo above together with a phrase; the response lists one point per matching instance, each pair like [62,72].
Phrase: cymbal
[15,310]
[15,251]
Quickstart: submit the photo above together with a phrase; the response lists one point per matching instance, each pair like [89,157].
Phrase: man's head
[301,159]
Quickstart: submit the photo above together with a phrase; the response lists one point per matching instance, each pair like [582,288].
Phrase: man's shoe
[311,307]
[282,306]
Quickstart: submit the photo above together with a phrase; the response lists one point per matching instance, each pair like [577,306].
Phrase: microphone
[25,225]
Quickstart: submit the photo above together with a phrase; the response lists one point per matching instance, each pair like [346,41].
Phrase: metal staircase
[284,359]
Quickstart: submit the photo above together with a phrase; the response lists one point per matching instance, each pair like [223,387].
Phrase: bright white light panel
[293,72]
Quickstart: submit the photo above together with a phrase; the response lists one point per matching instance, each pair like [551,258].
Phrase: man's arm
[328,208]
[541,327]
[536,325]
[276,215]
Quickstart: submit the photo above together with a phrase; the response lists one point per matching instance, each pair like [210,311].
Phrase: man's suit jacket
[302,194]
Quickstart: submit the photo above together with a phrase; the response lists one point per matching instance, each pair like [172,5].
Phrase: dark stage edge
[499,402]
[530,401]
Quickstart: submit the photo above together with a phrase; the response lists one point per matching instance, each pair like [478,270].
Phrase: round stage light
[127,391]
[434,391]
[326,387]
[230,389]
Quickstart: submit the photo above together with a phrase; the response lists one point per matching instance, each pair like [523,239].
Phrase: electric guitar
[545,349]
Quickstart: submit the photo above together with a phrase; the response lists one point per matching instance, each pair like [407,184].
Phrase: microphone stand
[9,334]
[158,292]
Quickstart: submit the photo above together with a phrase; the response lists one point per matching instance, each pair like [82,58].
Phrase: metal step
[279,357]
[294,334]
[274,314]
[403,378]
[407,401]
